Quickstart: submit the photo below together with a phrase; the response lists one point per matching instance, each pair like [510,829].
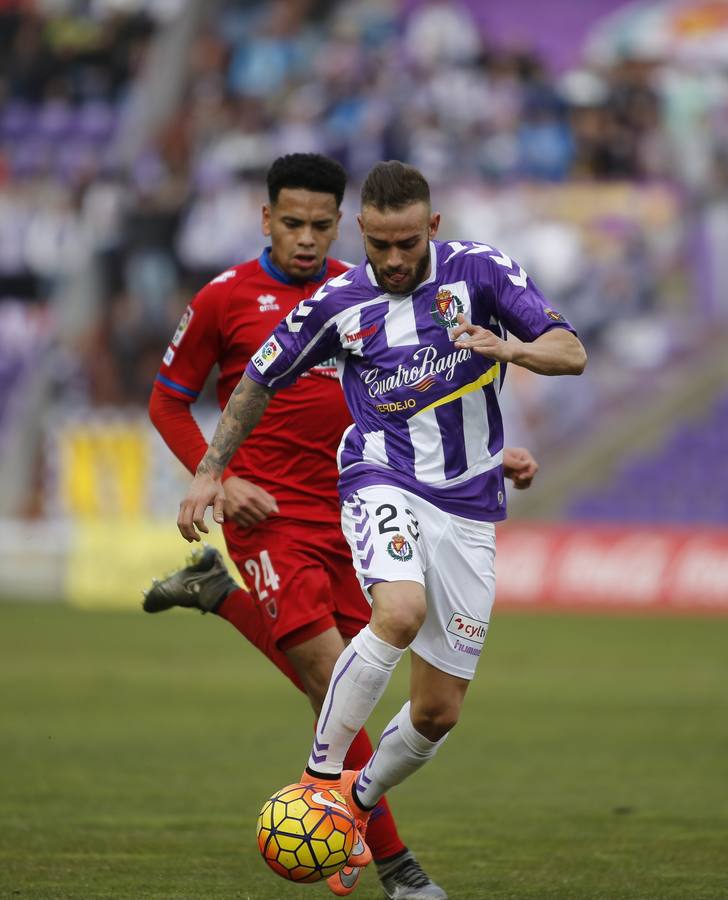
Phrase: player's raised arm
[242,413]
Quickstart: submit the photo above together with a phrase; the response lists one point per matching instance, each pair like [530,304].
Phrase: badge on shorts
[400,548]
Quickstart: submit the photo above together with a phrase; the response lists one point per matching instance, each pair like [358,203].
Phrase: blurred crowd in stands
[497,133]
[668,483]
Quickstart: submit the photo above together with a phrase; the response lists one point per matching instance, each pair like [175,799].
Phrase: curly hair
[310,171]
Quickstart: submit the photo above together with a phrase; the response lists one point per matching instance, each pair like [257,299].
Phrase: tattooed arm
[244,410]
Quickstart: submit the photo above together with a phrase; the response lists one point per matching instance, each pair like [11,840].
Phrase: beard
[413,278]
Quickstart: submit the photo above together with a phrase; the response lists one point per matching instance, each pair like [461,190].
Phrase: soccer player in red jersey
[282,516]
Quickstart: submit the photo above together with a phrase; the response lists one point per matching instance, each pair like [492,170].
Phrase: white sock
[358,681]
[401,751]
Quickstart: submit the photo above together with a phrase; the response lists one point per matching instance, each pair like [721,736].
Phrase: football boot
[202,584]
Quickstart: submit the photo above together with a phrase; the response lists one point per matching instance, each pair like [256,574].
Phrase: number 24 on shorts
[265,577]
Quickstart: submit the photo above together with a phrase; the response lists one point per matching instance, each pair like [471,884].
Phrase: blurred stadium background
[133,140]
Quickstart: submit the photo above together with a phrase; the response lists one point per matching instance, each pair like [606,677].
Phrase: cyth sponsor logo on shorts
[400,548]
[267,353]
[469,629]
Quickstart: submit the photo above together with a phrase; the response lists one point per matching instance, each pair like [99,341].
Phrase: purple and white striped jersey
[426,415]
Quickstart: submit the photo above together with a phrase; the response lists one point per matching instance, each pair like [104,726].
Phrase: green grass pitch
[135,751]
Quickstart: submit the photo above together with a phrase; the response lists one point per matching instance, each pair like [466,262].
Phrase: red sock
[242,612]
[382,834]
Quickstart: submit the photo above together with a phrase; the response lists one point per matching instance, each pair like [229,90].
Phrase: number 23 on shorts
[388,513]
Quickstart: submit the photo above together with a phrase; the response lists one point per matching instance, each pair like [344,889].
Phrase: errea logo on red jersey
[268,303]
[470,629]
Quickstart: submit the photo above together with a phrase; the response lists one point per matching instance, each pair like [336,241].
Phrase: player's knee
[398,612]
[433,721]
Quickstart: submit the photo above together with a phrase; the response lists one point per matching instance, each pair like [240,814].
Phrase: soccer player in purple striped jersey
[422,332]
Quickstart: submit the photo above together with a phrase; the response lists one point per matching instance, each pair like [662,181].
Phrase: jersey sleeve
[519,303]
[306,337]
[195,346]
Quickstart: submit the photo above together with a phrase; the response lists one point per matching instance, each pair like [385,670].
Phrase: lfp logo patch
[267,353]
[445,308]
[400,548]
[184,324]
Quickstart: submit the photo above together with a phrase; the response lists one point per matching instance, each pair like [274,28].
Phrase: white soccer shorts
[394,536]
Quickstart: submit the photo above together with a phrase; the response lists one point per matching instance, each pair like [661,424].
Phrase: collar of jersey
[268,266]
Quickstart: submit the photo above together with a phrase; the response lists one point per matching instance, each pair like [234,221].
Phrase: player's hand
[203,492]
[481,340]
[246,503]
[519,466]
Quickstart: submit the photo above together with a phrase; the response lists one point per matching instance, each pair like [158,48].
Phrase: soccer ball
[305,833]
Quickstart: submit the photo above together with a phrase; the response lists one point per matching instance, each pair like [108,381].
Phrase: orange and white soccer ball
[305,833]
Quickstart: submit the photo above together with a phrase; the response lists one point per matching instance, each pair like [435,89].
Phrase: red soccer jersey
[292,451]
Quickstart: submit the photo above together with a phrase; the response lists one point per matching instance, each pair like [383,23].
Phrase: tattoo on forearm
[244,410]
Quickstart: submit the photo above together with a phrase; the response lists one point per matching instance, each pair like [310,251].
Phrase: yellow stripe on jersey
[489,376]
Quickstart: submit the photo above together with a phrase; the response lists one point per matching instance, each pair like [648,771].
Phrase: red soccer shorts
[302,577]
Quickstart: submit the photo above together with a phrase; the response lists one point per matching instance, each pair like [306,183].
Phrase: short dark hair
[394,184]
[310,171]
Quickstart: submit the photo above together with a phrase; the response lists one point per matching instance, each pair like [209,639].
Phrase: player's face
[396,242]
[302,226]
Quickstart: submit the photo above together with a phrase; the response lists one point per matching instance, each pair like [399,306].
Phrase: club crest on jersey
[554,315]
[446,308]
[182,327]
[400,548]
[268,303]
[267,353]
